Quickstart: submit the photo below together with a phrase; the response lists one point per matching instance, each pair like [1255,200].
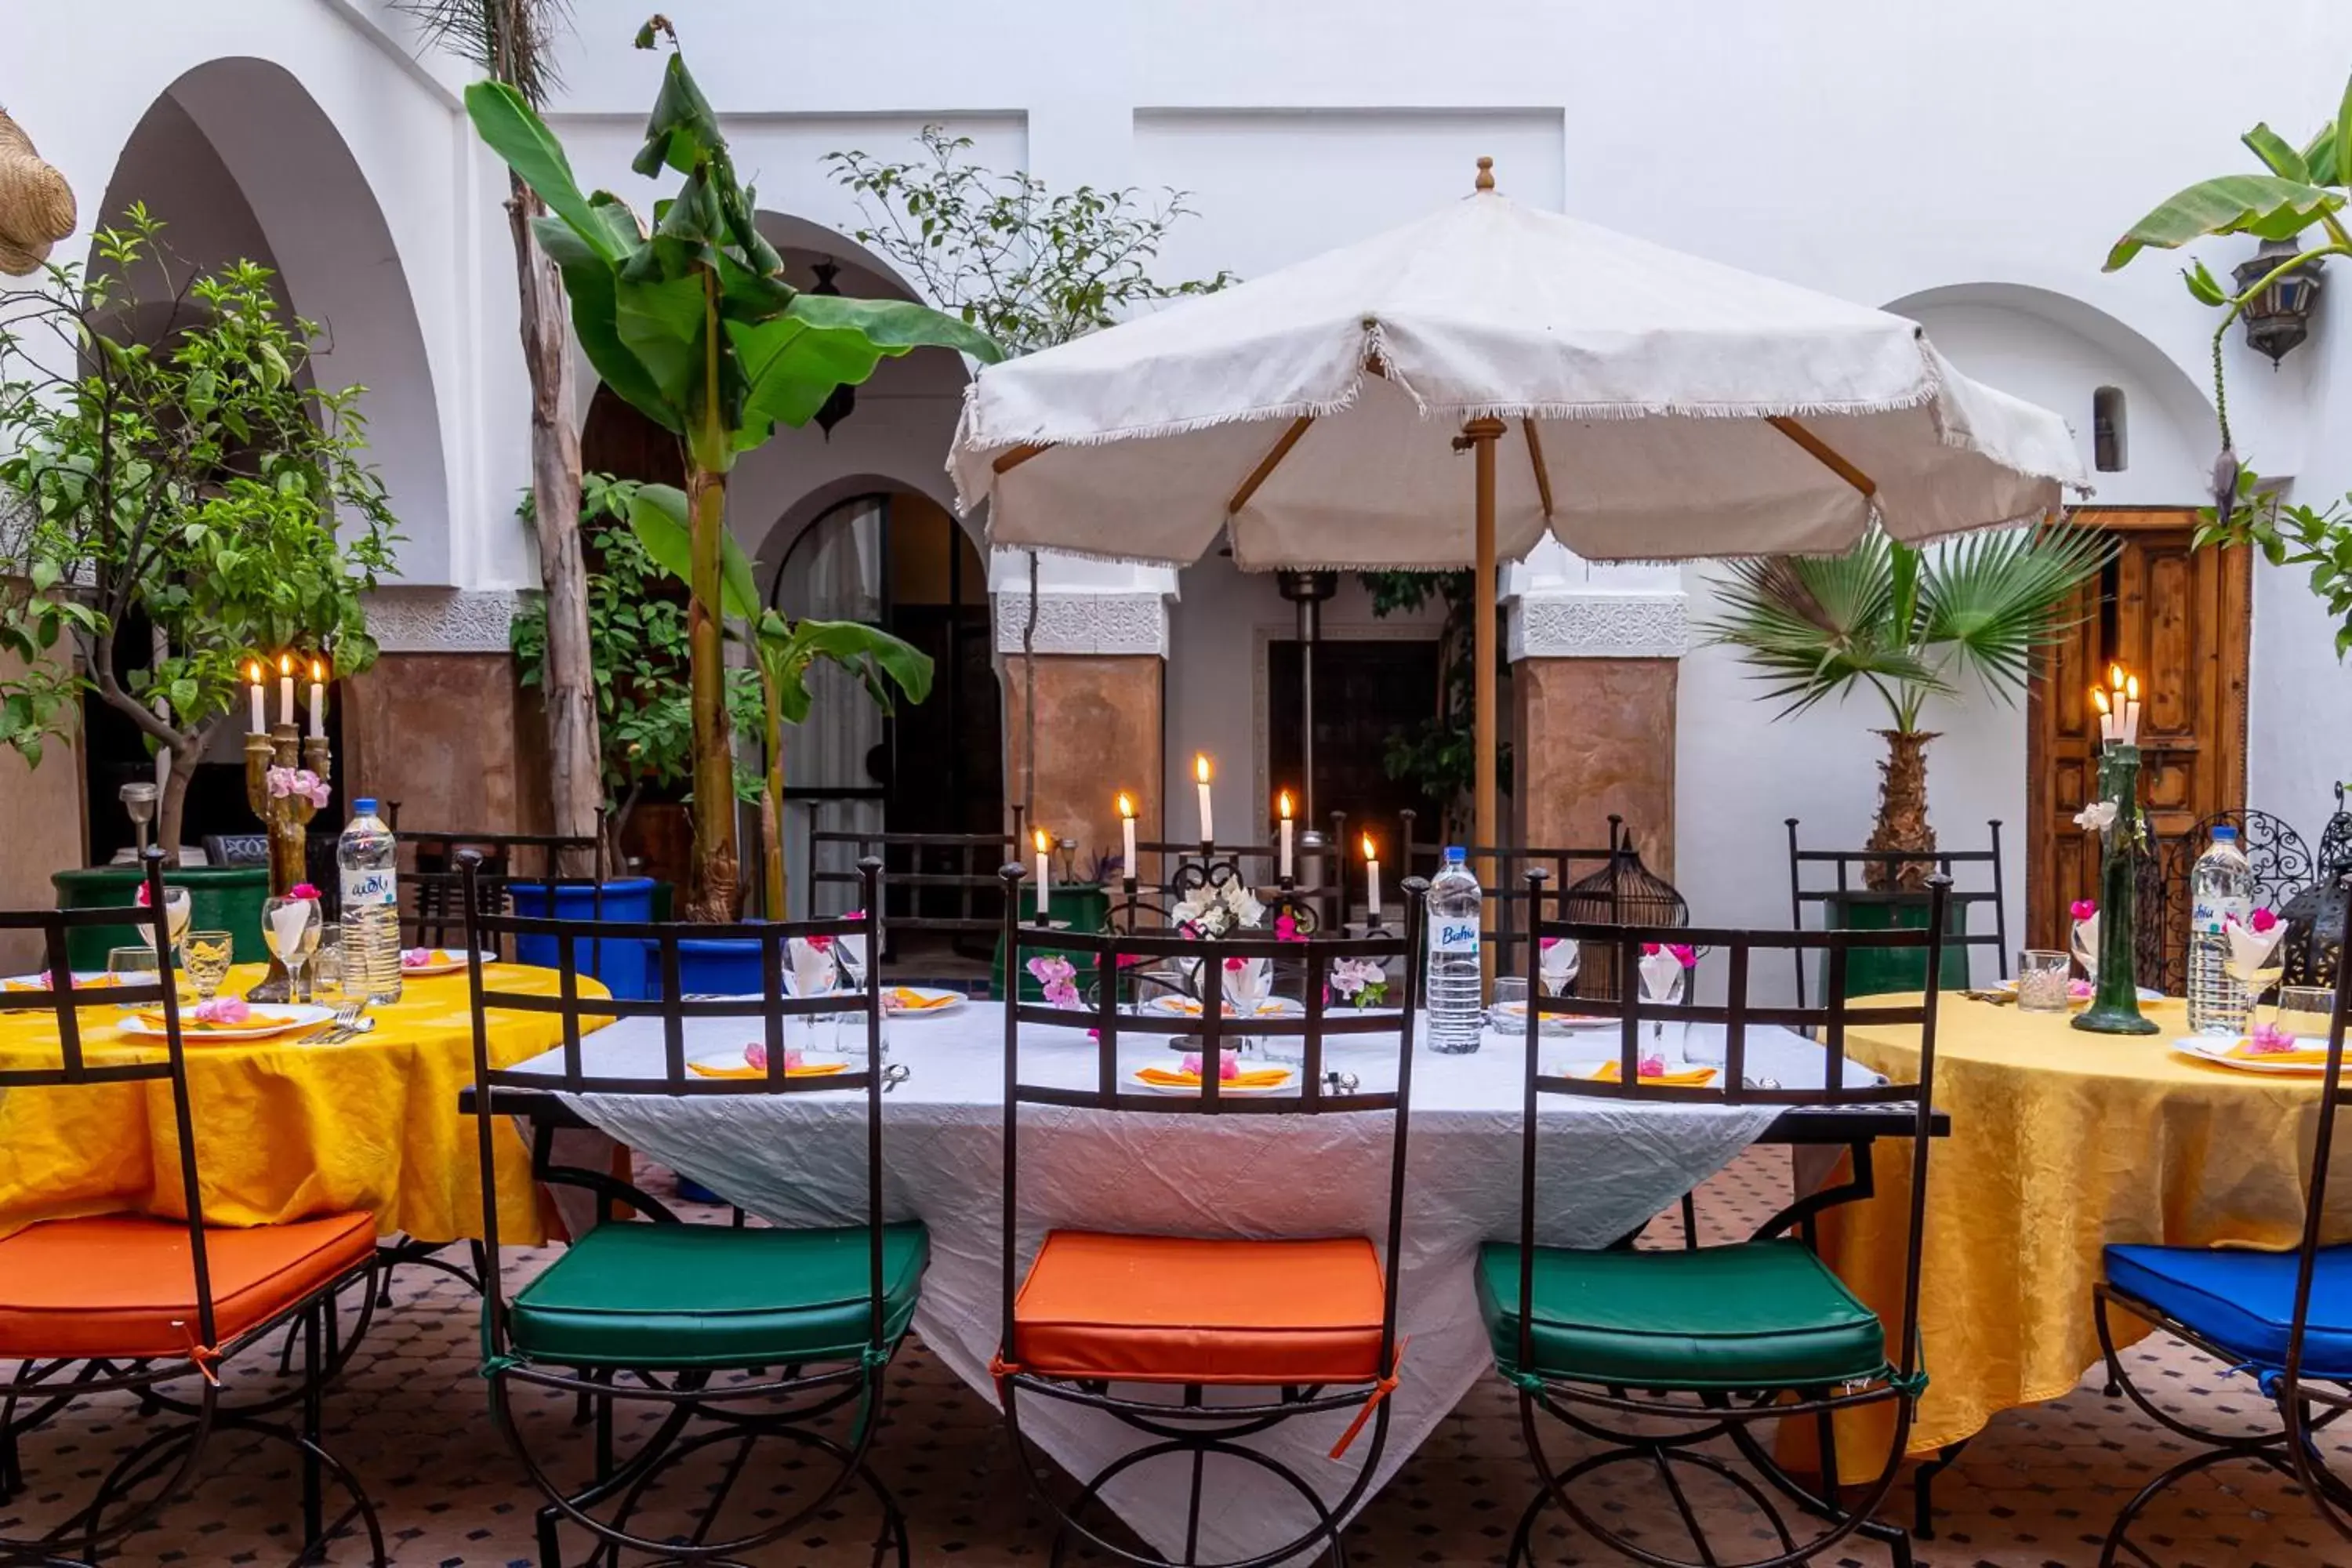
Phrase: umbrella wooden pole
[1482,434]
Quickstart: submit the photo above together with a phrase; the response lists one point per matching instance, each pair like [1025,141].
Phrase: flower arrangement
[1056,977]
[1210,912]
[2253,944]
[1359,982]
[298,783]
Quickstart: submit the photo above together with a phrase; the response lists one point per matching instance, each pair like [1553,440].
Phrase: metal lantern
[1622,893]
[843,401]
[2280,316]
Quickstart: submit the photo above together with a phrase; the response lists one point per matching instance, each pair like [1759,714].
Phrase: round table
[2063,1141]
[284,1129]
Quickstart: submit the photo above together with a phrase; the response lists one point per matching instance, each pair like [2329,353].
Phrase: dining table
[2063,1143]
[1609,1165]
[287,1127]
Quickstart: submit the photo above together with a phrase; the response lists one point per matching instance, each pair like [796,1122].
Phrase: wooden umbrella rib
[1536,457]
[1825,454]
[1267,464]
[1010,460]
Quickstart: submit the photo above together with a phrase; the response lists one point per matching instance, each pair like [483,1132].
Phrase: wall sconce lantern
[2280,316]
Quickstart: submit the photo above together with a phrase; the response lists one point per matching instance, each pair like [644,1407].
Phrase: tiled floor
[2038,1489]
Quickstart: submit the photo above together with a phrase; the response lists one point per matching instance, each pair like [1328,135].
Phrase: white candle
[1372,880]
[253,673]
[1282,805]
[2106,715]
[318,700]
[2131,711]
[285,689]
[1127,835]
[1208,818]
[1044,873]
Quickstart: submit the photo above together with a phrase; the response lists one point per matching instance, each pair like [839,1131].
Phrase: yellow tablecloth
[2063,1141]
[283,1130]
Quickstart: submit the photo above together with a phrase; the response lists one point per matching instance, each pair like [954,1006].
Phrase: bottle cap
[2224,834]
[1455,855]
[364,806]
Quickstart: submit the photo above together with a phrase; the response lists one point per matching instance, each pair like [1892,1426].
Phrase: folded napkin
[1662,975]
[814,1070]
[2250,950]
[95,982]
[2300,1057]
[1245,982]
[1687,1078]
[192,1025]
[1560,963]
[812,967]
[916,1002]
[1257,1077]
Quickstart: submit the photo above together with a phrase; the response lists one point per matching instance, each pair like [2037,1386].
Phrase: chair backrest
[2282,863]
[236,848]
[937,881]
[434,894]
[1099,958]
[1849,892]
[65,1001]
[580,1016]
[1507,891]
[1826,1021]
[2325,1490]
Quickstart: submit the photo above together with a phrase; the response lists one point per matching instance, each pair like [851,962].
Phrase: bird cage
[1622,893]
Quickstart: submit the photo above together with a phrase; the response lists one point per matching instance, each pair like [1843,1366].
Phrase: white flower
[1247,909]
[2096,817]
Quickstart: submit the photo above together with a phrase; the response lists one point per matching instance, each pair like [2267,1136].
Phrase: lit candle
[1044,871]
[253,674]
[2107,714]
[1127,835]
[2131,710]
[1208,819]
[318,699]
[1373,878]
[286,689]
[1281,807]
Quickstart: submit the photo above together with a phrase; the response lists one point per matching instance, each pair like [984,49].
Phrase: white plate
[1289,1084]
[1267,1007]
[445,960]
[292,1016]
[2215,1048]
[1516,1012]
[954,999]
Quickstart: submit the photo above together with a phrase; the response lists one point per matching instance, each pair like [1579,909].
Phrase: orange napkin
[1689,1078]
[916,1002]
[257,1019]
[2302,1056]
[1257,1077]
[822,1070]
[95,982]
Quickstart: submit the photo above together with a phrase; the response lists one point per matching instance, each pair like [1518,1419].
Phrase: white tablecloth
[799,1159]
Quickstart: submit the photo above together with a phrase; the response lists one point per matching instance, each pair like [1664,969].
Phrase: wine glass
[206,956]
[290,927]
[177,911]
[2084,941]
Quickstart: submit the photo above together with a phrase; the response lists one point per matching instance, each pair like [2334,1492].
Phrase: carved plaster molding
[1557,624]
[441,620]
[1081,623]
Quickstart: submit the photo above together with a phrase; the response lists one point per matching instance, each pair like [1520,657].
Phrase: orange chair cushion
[122,1285]
[1169,1309]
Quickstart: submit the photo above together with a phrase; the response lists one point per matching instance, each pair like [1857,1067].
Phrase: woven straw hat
[36,206]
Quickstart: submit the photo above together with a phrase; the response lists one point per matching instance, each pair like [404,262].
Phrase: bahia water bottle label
[363,888]
[2207,916]
[1457,935]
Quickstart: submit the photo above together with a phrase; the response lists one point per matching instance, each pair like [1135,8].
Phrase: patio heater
[1306,590]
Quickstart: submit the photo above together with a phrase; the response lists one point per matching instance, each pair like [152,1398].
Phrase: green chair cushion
[1761,1314]
[644,1295]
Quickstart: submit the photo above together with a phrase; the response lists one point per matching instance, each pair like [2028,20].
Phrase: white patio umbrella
[1639,402]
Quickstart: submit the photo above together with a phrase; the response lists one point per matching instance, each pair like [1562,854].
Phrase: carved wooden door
[2178,618]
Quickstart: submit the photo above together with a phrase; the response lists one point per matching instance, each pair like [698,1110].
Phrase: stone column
[1596,654]
[1101,646]
[439,723]
[43,808]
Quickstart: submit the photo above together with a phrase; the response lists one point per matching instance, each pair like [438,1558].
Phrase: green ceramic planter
[1879,971]
[220,898]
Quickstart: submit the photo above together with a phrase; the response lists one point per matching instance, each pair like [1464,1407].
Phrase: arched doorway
[892,558]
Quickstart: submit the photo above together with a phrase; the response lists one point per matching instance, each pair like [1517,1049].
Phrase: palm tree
[512,41]
[1907,623]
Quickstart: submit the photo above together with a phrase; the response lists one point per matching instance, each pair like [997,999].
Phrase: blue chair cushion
[2244,1301]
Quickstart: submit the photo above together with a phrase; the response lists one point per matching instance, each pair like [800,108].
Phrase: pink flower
[1549,942]
[1055,976]
[2264,923]
[2269,1039]
[301,890]
[1286,929]
[144,899]
[222,1010]
[1653,1066]
[756,1054]
[821,943]
[1228,1065]
[288,782]
[2079,990]
[2083,908]
[1685,955]
[415,957]
[1235,965]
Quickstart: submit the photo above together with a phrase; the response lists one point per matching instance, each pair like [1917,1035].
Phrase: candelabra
[288,820]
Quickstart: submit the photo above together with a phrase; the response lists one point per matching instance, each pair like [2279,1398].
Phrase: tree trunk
[717,876]
[574,747]
[771,805]
[1902,825]
[172,804]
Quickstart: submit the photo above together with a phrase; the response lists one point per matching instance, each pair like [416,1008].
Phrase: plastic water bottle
[1457,992]
[2221,888]
[371,890]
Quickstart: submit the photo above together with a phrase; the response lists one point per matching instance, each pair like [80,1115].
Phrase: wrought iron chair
[631,1312]
[1852,868]
[2281,861]
[2285,1317]
[1609,866]
[920,872]
[1079,1324]
[138,1304]
[1657,1352]
[433,914]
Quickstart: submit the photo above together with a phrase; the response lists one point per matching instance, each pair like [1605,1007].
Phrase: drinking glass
[206,956]
[2044,978]
[2306,1011]
[333,982]
[131,965]
[2083,937]
[290,927]
[1506,1009]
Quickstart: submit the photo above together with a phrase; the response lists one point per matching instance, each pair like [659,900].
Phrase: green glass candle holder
[2115,1007]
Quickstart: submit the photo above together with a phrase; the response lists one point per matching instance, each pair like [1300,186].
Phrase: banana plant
[691,322]
[2301,188]
[784,650]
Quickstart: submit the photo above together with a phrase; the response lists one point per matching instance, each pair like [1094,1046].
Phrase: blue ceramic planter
[621,965]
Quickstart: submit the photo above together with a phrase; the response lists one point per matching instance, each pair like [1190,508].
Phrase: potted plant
[691,322]
[170,462]
[1907,625]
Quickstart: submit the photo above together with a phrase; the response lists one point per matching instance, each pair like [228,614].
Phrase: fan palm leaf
[1990,602]
[1814,625]
[512,40]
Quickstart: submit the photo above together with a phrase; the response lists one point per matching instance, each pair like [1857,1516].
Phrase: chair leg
[313,1420]
[1923,1485]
